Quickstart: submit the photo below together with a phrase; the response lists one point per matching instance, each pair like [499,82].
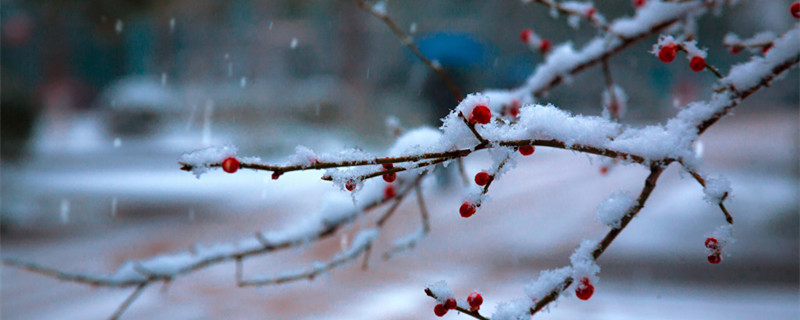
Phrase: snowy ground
[655,270]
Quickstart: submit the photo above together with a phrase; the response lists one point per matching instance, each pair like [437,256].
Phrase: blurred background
[100,98]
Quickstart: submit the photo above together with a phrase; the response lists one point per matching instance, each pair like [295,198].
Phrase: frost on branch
[716,189]
[547,282]
[613,209]
[749,74]
[583,263]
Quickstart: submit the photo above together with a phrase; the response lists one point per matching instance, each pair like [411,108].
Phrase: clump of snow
[514,310]
[441,290]
[380,7]
[583,263]
[761,38]
[693,50]
[303,156]
[654,13]
[724,236]
[201,160]
[747,75]
[717,189]
[548,122]
[613,209]
[416,141]
[548,281]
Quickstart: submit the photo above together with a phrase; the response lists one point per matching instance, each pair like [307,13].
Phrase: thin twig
[408,42]
[127,303]
[721,205]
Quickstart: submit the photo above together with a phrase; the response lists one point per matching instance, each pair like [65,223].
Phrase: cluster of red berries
[795,10]
[389,191]
[527,36]
[585,289]
[474,300]
[669,51]
[391,176]
[716,254]
[230,165]
[590,12]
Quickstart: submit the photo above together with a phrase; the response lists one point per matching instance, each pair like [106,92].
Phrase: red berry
[482,178]
[389,192]
[667,52]
[467,209]
[526,150]
[766,48]
[525,35]
[230,165]
[736,49]
[390,177]
[450,303]
[480,114]
[544,46]
[604,170]
[350,185]
[714,258]
[638,3]
[712,243]
[585,290]
[388,166]
[439,310]
[697,64]
[590,13]
[513,110]
[276,175]
[474,300]
[795,10]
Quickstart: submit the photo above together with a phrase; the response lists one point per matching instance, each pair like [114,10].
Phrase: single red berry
[513,110]
[474,300]
[439,310]
[736,49]
[480,114]
[230,165]
[590,13]
[638,3]
[795,10]
[526,150]
[389,192]
[667,53]
[766,48]
[585,290]
[482,178]
[390,177]
[525,35]
[276,175]
[544,46]
[697,64]
[712,243]
[467,209]
[388,166]
[714,258]
[450,303]
[350,185]
[604,170]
